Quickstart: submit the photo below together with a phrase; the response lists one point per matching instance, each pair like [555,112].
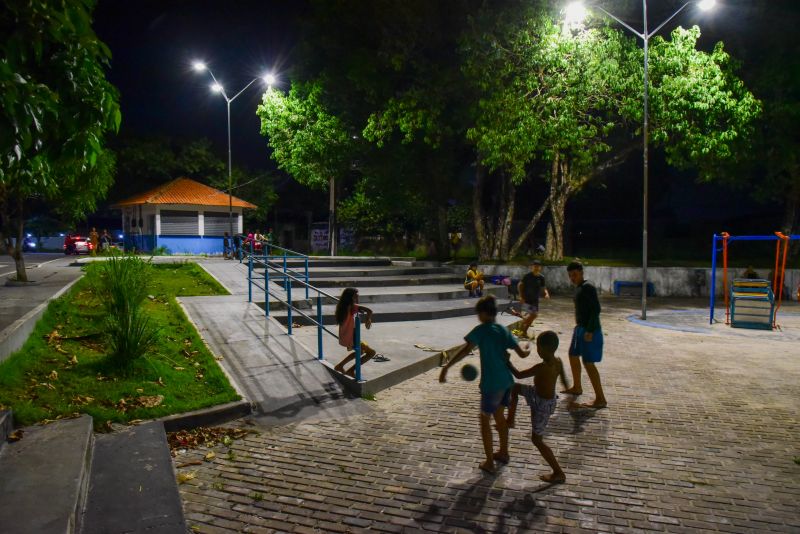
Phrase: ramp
[284,381]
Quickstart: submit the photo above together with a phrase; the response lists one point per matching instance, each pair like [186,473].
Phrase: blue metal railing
[288,276]
[268,255]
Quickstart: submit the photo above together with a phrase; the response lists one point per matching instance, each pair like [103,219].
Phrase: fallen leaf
[53,375]
[73,360]
[15,436]
[150,401]
[139,390]
[191,462]
[185,477]
[160,382]
[210,455]
[134,422]
[179,368]
[80,400]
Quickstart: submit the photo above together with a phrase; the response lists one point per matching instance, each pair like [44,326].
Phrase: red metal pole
[725,236]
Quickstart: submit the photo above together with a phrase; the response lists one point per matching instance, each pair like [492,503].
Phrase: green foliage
[307,141]
[56,108]
[546,91]
[700,107]
[67,340]
[55,103]
[122,283]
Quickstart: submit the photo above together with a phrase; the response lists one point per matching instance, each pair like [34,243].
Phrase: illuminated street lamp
[216,87]
[574,15]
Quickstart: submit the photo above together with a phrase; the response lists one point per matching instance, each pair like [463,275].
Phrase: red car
[75,244]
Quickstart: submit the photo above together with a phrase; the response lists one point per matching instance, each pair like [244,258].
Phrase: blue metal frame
[288,277]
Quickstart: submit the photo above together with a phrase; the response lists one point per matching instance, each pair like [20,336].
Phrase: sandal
[380,358]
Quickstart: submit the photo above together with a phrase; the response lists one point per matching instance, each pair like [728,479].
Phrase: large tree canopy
[56,107]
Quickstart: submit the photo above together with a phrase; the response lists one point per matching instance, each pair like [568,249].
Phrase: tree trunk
[528,229]
[509,204]
[478,215]
[17,225]
[443,244]
[560,189]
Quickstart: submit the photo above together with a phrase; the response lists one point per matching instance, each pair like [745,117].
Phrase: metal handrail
[288,278]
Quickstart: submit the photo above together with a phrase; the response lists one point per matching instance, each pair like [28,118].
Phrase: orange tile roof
[184,191]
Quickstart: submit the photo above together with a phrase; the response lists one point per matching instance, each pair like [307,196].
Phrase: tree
[56,108]
[573,100]
[546,97]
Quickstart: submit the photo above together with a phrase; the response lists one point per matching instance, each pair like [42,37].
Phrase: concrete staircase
[60,479]
[395,290]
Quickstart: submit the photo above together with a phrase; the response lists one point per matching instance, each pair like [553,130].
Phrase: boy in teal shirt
[496,380]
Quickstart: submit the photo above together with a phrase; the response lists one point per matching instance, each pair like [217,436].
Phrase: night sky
[154,42]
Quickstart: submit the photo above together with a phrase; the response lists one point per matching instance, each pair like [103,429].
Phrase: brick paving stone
[700,436]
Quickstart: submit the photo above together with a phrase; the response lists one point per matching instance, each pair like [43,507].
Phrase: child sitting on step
[473,282]
[346,310]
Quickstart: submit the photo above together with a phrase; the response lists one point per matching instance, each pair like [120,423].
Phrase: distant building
[184,216]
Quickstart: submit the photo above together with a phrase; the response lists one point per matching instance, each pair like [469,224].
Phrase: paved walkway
[52,271]
[284,381]
[701,436]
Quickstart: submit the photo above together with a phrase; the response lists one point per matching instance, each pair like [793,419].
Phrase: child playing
[474,281]
[541,398]
[346,310]
[493,340]
[530,287]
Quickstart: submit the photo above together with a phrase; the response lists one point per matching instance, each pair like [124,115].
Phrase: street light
[216,87]
[574,14]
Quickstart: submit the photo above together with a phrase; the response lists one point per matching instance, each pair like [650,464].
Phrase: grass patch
[63,367]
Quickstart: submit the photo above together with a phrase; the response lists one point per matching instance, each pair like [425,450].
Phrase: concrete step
[6,425]
[373,295]
[44,477]
[389,280]
[337,262]
[132,486]
[395,311]
[349,272]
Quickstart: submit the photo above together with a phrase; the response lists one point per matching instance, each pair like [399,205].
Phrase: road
[32,260]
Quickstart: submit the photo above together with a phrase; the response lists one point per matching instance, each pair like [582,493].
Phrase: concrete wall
[667,281]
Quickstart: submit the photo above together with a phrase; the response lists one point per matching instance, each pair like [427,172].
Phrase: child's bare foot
[554,478]
[488,467]
[572,391]
[501,458]
[596,405]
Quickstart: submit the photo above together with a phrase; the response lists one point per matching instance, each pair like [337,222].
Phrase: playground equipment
[750,303]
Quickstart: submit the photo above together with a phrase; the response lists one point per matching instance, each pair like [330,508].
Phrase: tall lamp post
[574,14]
[217,87]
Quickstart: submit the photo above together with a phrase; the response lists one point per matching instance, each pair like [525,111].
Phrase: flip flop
[380,358]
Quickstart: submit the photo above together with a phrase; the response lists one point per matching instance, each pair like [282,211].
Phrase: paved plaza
[700,435]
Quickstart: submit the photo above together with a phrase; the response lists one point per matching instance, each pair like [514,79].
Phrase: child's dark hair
[575,266]
[548,340]
[346,300]
[473,264]
[487,305]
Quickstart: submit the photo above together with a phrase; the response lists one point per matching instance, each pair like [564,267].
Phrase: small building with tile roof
[184,216]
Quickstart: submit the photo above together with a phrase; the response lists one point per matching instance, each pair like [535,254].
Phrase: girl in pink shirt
[346,310]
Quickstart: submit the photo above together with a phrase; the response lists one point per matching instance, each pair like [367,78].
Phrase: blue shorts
[591,352]
[490,402]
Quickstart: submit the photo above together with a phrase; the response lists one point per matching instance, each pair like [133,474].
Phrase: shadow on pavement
[522,512]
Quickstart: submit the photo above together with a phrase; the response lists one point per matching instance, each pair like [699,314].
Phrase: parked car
[77,245]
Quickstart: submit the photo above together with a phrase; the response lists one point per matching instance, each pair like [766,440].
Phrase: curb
[214,415]
[14,336]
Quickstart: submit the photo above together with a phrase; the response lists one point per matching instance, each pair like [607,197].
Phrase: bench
[632,289]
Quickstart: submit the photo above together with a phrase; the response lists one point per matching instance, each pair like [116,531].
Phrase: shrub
[121,283]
